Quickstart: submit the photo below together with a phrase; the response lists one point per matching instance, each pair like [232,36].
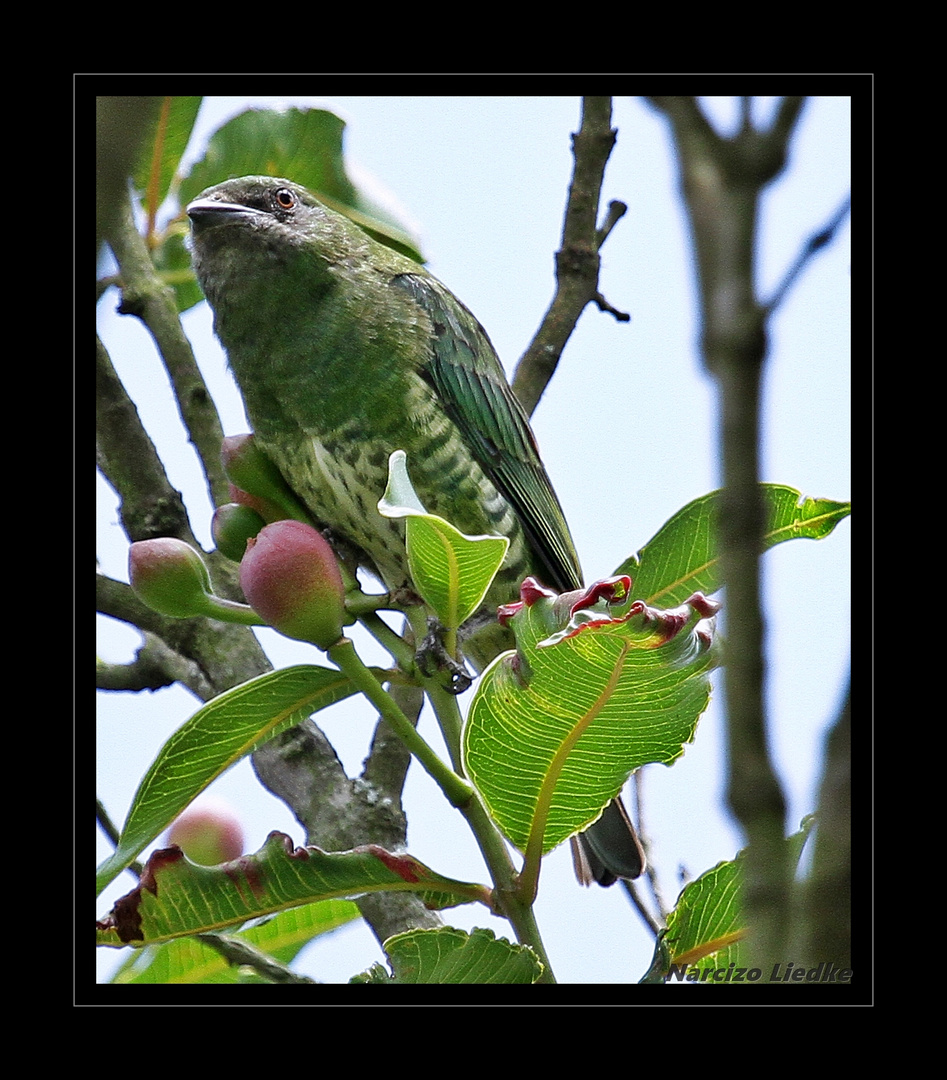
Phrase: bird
[345,350]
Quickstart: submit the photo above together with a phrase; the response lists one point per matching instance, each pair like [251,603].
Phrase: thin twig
[820,239]
[632,891]
[654,884]
[239,953]
[107,826]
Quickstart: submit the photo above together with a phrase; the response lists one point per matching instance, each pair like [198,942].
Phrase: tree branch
[301,768]
[824,933]
[204,655]
[240,953]
[577,261]
[149,505]
[147,297]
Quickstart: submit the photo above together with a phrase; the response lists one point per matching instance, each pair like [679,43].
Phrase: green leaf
[177,897]
[225,730]
[154,178]
[555,730]
[162,149]
[706,928]
[453,956]
[449,570]
[682,557]
[304,145]
[282,937]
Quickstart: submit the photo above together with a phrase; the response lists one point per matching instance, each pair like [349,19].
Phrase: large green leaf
[453,956]
[555,729]
[706,928]
[162,150]
[216,737]
[177,897]
[682,557]
[281,937]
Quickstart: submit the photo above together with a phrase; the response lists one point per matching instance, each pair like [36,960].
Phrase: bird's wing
[466,375]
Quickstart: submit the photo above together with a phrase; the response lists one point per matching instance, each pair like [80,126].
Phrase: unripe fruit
[232,526]
[252,472]
[247,466]
[291,578]
[169,576]
[208,833]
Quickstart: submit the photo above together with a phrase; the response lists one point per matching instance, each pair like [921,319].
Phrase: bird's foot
[432,657]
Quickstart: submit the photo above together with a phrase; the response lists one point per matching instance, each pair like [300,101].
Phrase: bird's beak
[206,213]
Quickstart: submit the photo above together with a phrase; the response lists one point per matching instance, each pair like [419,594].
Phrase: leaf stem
[347,660]
[219,607]
[401,651]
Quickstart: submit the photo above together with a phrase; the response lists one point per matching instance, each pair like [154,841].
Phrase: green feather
[467,377]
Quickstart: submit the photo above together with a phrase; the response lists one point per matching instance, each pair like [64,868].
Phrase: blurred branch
[120,126]
[825,931]
[722,179]
[577,261]
[820,239]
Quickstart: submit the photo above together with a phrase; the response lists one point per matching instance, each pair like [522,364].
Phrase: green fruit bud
[252,471]
[170,577]
[232,526]
[266,508]
[291,578]
[247,466]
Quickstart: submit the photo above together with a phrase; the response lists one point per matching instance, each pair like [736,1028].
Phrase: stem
[458,792]
[218,607]
[449,720]
[492,846]
[401,651]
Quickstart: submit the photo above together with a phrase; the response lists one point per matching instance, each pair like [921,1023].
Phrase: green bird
[344,351]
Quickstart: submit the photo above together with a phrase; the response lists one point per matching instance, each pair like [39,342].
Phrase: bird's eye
[285,199]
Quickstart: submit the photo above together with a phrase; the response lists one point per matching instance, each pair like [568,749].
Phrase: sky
[627,433]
